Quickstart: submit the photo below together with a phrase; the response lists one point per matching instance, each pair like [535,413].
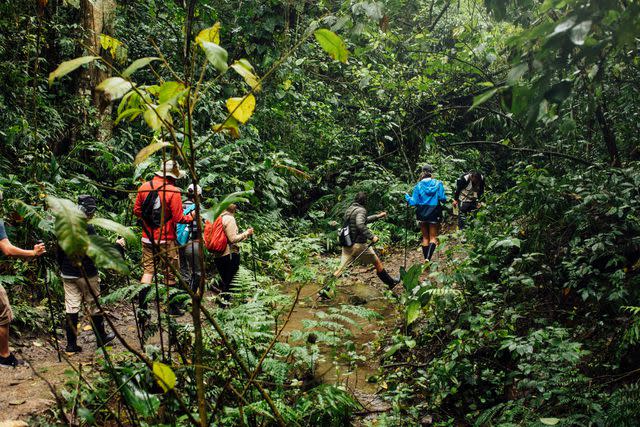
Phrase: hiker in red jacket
[228,261]
[159,217]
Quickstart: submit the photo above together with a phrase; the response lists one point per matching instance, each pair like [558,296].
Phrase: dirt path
[25,393]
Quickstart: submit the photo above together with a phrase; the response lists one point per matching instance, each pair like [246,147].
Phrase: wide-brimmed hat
[190,189]
[172,169]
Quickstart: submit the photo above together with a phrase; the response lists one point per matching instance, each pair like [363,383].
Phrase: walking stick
[334,276]
[253,257]
[43,267]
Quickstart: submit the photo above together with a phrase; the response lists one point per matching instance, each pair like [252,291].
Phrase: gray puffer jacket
[356,214]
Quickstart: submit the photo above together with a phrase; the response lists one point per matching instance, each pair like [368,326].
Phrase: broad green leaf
[549,421]
[216,55]
[164,375]
[142,401]
[86,415]
[580,31]
[105,255]
[211,34]
[130,114]
[482,98]
[70,226]
[149,150]
[230,126]
[68,66]
[114,87]
[332,44]
[157,116]
[214,212]
[171,92]
[411,278]
[563,26]
[137,64]
[245,69]
[242,108]
[412,311]
[115,227]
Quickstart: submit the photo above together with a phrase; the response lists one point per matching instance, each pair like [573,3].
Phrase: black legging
[227,266]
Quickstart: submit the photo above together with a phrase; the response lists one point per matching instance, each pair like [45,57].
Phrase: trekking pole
[253,257]
[139,332]
[340,271]
[43,267]
[406,233]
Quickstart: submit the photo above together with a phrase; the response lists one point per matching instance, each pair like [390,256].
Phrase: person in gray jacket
[360,235]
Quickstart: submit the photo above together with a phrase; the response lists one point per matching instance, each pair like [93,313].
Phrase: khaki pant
[349,254]
[166,254]
[6,315]
[77,293]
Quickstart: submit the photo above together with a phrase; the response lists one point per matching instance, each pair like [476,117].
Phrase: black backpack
[152,209]
[344,235]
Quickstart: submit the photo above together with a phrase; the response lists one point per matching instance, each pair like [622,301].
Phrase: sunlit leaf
[157,116]
[230,126]
[242,108]
[482,98]
[245,69]
[580,31]
[137,64]
[149,150]
[115,227]
[171,92]
[211,34]
[549,421]
[332,44]
[164,376]
[216,55]
[114,87]
[70,226]
[563,26]
[68,66]
[412,311]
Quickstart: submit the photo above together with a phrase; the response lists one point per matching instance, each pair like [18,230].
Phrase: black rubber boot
[142,298]
[387,279]
[430,250]
[102,337]
[71,326]
[425,252]
[175,309]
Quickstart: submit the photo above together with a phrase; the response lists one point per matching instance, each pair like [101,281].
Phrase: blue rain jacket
[428,192]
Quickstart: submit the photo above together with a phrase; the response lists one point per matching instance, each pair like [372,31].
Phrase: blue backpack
[183,231]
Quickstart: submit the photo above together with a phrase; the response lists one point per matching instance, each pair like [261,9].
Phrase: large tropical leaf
[105,255]
[115,227]
[332,44]
[70,226]
[214,212]
[68,66]
[137,64]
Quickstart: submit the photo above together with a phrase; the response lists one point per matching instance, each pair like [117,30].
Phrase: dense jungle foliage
[530,316]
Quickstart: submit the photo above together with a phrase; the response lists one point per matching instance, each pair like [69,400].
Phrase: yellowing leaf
[245,69]
[157,116]
[68,66]
[230,126]
[164,375]
[149,150]
[211,34]
[114,87]
[242,108]
[549,421]
[332,44]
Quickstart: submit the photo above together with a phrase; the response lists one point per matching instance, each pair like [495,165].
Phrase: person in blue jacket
[428,196]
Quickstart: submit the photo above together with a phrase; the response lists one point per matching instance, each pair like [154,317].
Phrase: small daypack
[183,231]
[344,235]
[215,239]
[152,209]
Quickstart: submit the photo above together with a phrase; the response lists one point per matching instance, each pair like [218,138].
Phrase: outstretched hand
[382,214]
[39,249]
[250,231]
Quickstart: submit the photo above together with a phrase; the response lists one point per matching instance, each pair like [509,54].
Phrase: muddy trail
[26,391]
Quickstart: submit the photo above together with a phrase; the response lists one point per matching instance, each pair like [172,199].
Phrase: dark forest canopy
[531,316]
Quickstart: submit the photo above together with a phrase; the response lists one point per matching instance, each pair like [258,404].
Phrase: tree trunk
[96,19]
[608,135]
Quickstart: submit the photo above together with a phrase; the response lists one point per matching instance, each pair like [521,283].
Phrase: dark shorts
[429,214]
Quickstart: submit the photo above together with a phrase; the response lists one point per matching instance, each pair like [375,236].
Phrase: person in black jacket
[81,287]
[356,216]
[469,189]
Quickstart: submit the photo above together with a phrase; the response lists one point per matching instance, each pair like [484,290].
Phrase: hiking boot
[10,361]
[175,310]
[102,337]
[387,279]
[71,327]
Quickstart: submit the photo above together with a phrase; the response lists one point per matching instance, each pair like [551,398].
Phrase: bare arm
[9,250]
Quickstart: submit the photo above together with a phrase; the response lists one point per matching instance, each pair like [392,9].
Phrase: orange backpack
[215,239]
